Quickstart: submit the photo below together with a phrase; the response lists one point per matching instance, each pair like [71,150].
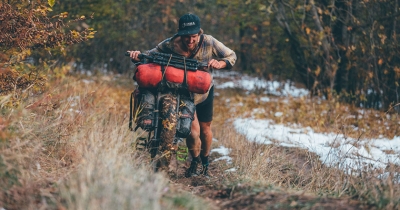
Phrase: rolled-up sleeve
[223,53]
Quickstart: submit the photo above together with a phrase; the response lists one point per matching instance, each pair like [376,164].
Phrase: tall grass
[109,175]
[71,148]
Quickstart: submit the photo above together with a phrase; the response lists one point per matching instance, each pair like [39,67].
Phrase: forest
[338,48]
[331,141]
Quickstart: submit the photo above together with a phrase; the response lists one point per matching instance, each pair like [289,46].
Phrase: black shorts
[204,109]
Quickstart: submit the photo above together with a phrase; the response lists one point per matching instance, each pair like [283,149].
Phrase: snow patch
[333,149]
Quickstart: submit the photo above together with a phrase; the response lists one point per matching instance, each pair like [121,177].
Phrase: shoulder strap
[197,48]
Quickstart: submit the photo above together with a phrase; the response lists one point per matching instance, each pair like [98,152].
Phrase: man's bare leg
[206,138]
[200,138]
[193,141]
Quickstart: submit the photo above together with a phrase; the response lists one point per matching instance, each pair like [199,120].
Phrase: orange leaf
[308,30]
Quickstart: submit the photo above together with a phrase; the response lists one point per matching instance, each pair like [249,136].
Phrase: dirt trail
[225,193]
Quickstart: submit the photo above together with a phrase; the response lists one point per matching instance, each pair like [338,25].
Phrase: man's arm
[134,54]
[216,64]
[162,47]
[224,53]
[156,49]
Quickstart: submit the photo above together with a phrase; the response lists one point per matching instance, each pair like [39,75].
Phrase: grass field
[70,148]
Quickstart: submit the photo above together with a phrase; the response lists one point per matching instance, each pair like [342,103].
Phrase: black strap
[162,72]
[198,47]
[184,83]
[191,114]
[131,111]
[163,81]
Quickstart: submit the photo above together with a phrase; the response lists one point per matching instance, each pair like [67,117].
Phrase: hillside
[70,148]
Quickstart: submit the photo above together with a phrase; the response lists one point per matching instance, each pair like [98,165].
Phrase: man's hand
[134,55]
[216,64]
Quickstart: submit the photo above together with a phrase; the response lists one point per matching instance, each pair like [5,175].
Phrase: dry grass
[298,169]
[70,148]
[321,115]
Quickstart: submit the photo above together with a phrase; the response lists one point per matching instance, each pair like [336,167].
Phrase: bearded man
[191,42]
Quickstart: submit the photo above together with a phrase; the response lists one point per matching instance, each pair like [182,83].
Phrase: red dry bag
[150,75]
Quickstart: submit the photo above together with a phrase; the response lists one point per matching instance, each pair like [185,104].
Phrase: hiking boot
[192,170]
[205,172]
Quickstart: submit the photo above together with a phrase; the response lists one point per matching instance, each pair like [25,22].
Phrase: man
[190,42]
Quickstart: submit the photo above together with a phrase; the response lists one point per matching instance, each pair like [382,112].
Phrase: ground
[224,192]
[70,148]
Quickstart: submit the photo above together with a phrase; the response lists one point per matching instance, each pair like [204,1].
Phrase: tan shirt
[209,49]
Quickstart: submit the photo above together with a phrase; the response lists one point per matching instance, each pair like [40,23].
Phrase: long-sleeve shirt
[210,48]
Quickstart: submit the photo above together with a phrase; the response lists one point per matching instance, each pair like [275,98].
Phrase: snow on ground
[251,83]
[334,150]
[225,156]
[224,152]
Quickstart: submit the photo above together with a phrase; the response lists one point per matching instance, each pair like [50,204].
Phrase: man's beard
[192,46]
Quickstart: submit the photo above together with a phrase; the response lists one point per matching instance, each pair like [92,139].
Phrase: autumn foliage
[343,49]
[27,29]
[30,27]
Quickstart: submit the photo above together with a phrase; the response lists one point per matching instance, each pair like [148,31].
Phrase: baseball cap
[189,24]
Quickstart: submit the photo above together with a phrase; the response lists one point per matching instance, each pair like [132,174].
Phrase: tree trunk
[342,36]
[296,53]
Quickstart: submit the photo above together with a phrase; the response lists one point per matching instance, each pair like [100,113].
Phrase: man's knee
[194,134]
[205,124]
[205,128]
